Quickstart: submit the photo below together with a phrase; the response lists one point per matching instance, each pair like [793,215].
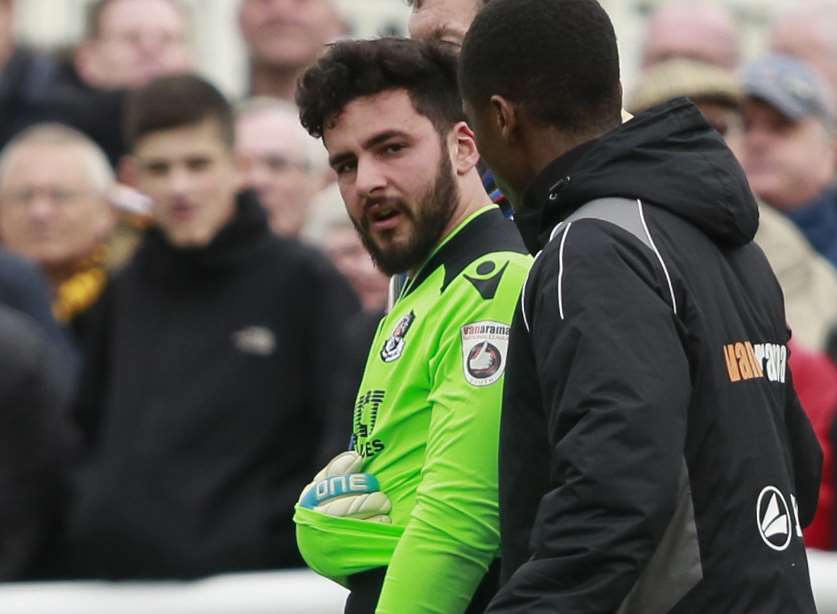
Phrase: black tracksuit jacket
[204,399]
[654,457]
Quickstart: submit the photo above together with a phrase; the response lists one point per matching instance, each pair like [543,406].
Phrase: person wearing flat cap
[788,150]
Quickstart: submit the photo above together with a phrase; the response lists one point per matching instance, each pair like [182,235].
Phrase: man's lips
[182,212]
[383,216]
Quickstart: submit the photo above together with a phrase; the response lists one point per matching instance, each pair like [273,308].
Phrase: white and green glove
[340,490]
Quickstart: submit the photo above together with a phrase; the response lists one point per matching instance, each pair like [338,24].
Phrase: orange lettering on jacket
[745,361]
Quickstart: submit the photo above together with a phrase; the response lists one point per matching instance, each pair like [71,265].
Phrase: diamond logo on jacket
[257,340]
[773,518]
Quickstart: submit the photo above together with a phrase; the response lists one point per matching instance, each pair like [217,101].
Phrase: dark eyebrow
[381,137]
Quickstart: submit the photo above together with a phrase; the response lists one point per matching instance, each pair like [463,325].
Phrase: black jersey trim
[487,233]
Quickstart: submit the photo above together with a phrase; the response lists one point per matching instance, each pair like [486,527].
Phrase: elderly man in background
[281,162]
[283,37]
[700,30]
[54,211]
[789,152]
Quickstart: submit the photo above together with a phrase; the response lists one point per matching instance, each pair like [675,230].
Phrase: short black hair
[557,58]
[174,102]
[355,69]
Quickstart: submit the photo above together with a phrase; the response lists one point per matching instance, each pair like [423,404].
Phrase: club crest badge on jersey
[394,345]
[485,346]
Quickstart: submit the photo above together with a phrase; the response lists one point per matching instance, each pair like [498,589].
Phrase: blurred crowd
[186,308]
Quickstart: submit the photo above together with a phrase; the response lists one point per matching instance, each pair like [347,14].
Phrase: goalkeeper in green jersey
[407,519]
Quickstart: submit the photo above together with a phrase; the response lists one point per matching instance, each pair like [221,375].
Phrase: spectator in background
[205,394]
[698,30]
[808,280]
[25,80]
[130,42]
[281,162]
[36,441]
[126,44]
[445,20]
[716,91]
[788,151]
[54,211]
[345,249]
[806,31]
[815,378]
[330,228]
[283,37]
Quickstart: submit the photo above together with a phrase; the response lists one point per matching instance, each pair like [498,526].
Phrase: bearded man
[407,519]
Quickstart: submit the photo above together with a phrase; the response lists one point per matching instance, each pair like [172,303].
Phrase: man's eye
[197,164]
[344,167]
[157,169]
[394,148]
[277,164]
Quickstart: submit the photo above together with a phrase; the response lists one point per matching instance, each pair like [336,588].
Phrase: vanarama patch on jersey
[485,346]
[426,420]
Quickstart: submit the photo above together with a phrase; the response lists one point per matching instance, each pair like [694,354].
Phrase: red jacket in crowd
[815,379]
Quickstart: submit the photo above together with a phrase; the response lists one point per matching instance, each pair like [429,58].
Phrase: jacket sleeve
[616,382]
[452,535]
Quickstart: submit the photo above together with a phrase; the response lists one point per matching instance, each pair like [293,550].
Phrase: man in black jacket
[207,385]
[654,456]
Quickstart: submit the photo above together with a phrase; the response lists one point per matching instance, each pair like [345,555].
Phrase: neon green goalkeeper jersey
[427,421]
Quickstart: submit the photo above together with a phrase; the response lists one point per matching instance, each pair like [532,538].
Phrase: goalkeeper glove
[339,490]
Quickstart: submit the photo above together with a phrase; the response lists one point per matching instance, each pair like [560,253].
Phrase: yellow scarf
[82,289]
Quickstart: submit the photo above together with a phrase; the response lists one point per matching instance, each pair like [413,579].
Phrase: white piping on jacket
[659,257]
[561,271]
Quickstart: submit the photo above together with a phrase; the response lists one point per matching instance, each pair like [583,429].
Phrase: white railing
[823,566]
[281,592]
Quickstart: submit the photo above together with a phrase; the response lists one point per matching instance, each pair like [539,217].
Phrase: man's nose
[256,175]
[180,181]
[41,207]
[369,177]
[756,137]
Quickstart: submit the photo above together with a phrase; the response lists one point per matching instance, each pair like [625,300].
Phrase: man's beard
[432,214]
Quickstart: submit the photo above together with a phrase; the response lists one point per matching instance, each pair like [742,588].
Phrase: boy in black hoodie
[207,382]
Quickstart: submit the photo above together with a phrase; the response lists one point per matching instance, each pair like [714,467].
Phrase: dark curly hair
[356,69]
